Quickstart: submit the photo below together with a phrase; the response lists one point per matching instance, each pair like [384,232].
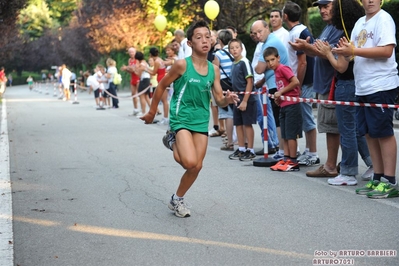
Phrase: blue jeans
[346,118]
[272,141]
[308,122]
[363,149]
[112,90]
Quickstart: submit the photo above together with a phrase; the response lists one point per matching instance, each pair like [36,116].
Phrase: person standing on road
[111,72]
[259,81]
[134,81]
[184,49]
[344,90]
[244,115]
[224,61]
[3,81]
[290,112]
[94,85]
[276,22]
[66,82]
[372,47]
[10,80]
[262,31]
[322,77]
[194,78]
[159,69]
[302,65]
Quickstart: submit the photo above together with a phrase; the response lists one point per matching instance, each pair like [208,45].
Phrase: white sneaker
[302,156]
[343,180]
[164,122]
[139,114]
[368,174]
[212,132]
[180,208]
[308,160]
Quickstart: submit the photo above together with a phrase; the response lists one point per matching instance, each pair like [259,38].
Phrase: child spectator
[290,112]
[99,74]
[94,85]
[30,82]
[372,47]
[245,114]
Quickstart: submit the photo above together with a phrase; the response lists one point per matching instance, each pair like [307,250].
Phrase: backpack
[117,79]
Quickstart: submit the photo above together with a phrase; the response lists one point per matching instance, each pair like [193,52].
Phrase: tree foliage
[9,40]
[62,10]
[34,19]
[119,24]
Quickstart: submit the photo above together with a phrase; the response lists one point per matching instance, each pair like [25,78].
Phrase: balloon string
[342,21]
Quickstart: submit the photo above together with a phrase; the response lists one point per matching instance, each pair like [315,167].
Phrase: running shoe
[384,190]
[277,165]
[288,166]
[308,160]
[164,122]
[368,175]
[180,207]
[248,156]
[169,139]
[342,180]
[370,186]
[236,155]
[277,156]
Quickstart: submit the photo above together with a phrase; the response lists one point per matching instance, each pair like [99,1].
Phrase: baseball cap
[322,2]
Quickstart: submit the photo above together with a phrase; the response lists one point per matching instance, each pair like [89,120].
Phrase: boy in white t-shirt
[93,84]
[372,47]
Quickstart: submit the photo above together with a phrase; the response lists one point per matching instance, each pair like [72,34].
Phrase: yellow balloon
[160,22]
[211,9]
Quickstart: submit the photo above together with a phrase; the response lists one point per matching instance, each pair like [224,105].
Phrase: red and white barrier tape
[311,100]
[122,97]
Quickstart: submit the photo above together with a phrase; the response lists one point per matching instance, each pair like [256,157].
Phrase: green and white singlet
[189,106]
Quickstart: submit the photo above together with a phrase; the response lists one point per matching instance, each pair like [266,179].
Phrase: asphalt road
[91,187]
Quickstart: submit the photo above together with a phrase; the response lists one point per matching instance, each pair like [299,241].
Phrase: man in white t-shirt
[276,23]
[184,50]
[66,81]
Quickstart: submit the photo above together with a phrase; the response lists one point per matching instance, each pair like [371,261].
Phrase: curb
[6,231]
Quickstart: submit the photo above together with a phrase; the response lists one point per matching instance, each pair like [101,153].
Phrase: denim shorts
[379,122]
[308,121]
[223,114]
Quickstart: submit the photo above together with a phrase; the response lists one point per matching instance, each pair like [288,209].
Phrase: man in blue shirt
[261,29]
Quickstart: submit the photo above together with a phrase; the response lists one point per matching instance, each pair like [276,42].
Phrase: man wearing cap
[322,77]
